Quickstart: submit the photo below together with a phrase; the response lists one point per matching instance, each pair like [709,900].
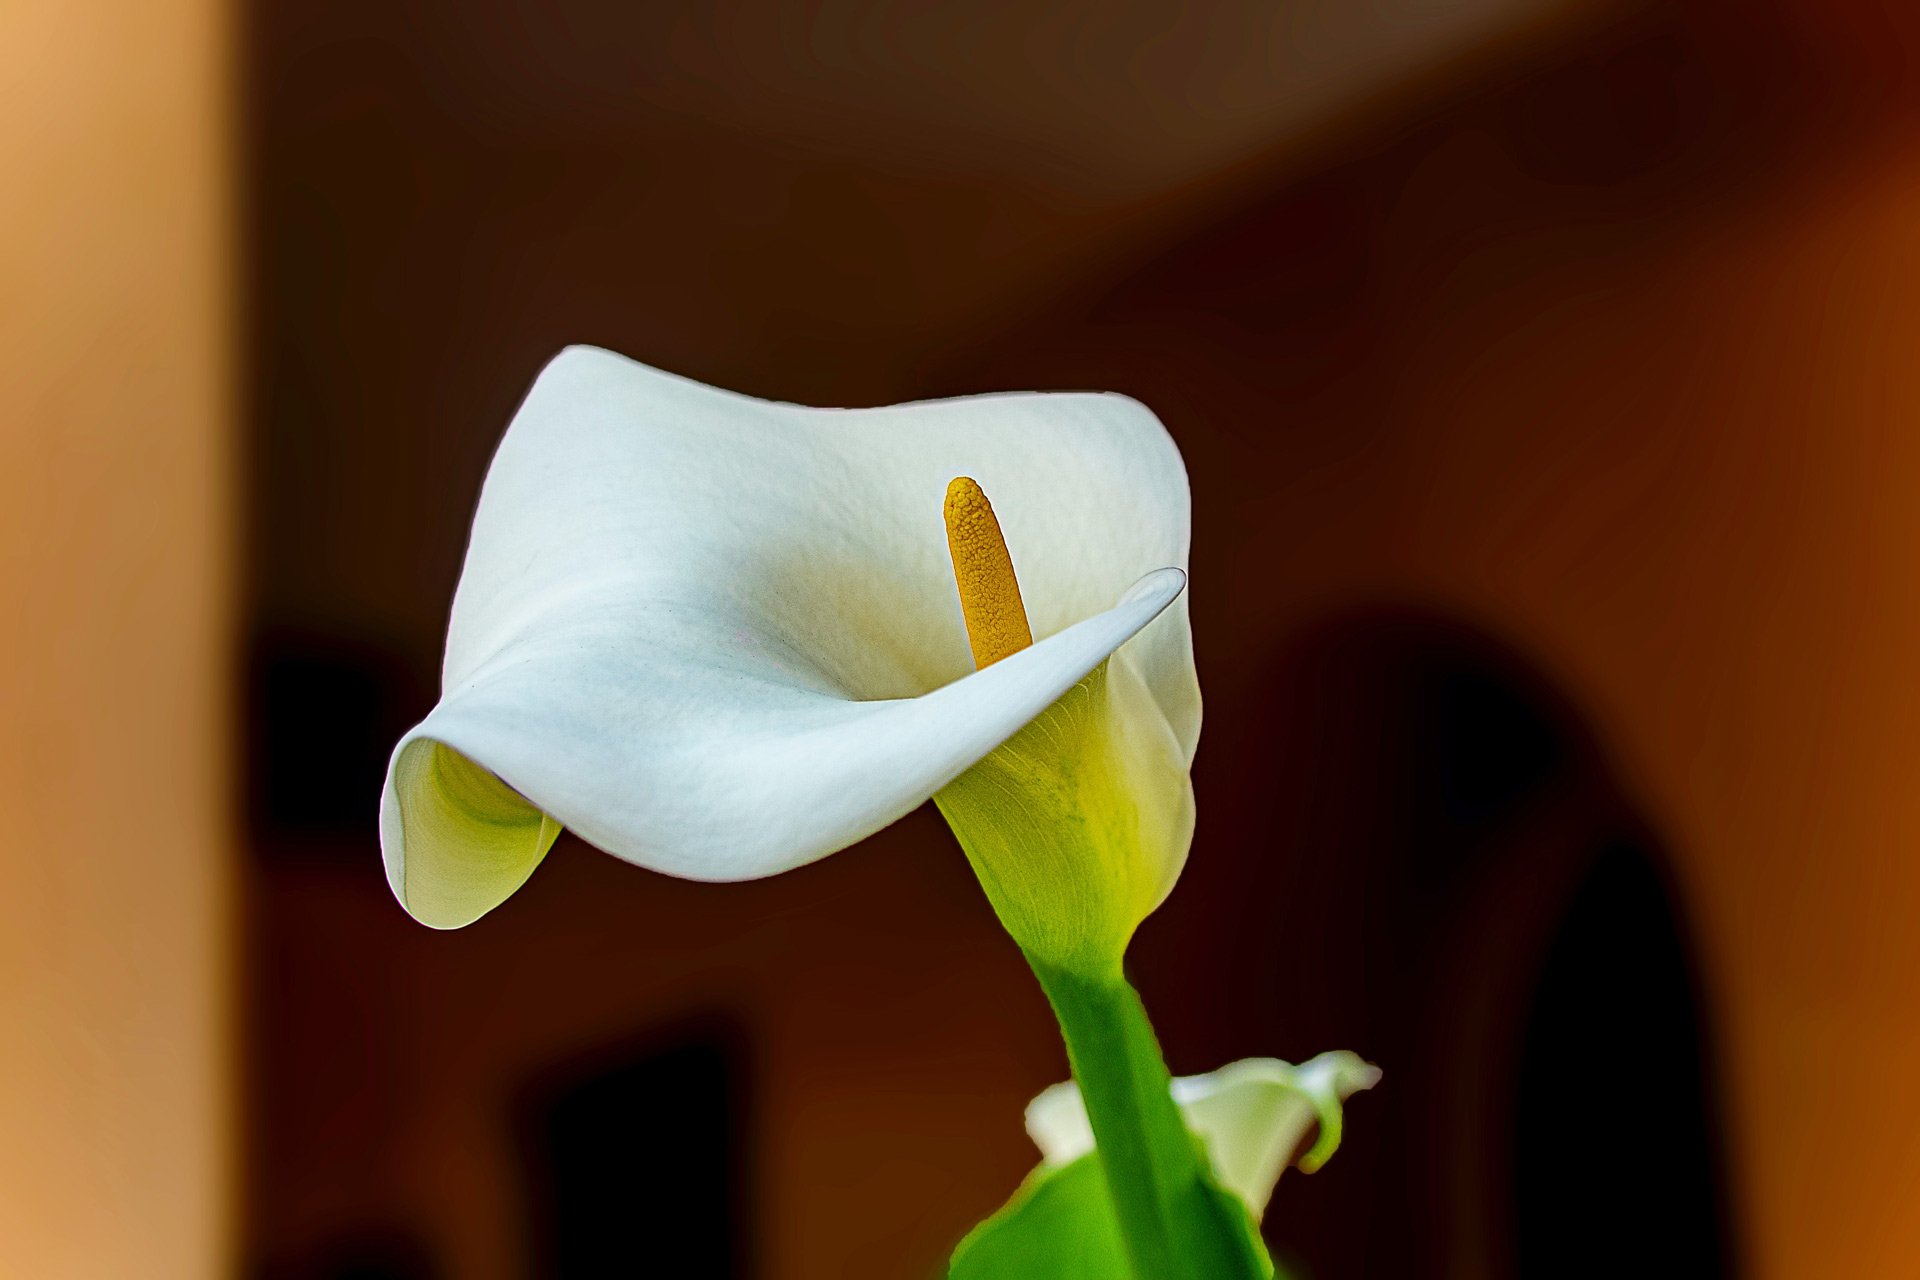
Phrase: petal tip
[1163,585]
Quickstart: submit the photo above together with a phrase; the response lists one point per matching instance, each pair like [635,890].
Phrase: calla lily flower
[1253,1116]
[720,637]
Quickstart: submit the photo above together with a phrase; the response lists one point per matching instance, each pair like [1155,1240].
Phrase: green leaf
[1060,1225]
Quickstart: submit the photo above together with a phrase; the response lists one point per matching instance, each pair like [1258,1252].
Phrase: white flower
[719,637]
[1253,1115]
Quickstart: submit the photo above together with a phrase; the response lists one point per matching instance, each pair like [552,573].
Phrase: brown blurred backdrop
[1542,370]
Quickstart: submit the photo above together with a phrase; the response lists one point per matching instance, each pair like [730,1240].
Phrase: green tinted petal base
[1078,825]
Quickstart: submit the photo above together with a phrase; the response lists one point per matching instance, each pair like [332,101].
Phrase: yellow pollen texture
[989,593]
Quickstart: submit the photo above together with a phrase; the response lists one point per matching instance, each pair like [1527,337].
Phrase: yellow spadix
[983,570]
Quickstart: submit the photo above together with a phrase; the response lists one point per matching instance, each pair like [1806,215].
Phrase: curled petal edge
[1253,1116]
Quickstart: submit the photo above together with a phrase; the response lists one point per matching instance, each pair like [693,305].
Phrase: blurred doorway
[1467,895]
[1616,1156]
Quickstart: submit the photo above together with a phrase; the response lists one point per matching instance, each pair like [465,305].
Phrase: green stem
[1174,1221]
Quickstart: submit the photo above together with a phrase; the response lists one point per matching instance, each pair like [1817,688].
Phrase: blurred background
[1545,370]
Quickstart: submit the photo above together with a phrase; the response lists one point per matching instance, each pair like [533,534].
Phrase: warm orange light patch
[983,570]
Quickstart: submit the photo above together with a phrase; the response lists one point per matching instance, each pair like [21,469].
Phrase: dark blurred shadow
[323,712]
[383,1253]
[635,1159]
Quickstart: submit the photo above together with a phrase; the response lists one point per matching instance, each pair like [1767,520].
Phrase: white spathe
[1252,1115]
[719,636]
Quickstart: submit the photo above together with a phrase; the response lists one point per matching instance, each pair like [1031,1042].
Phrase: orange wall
[113,442]
[1736,601]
